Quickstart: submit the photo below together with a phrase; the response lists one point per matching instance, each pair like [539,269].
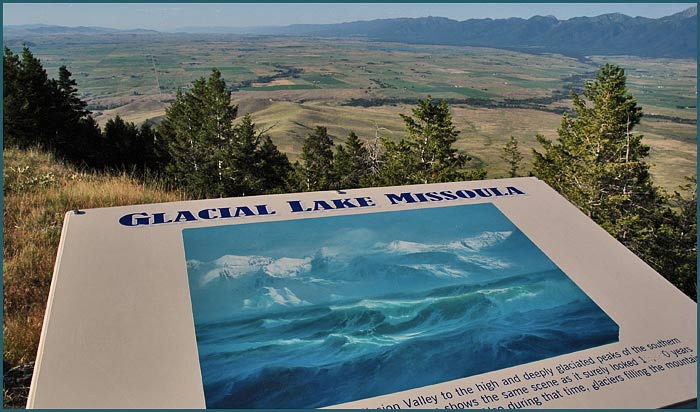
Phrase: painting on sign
[315,312]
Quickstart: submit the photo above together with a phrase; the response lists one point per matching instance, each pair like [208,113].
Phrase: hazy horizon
[174,16]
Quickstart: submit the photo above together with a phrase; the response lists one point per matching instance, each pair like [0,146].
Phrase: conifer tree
[315,171]
[121,143]
[253,163]
[672,248]
[598,162]
[400,164]
[209,155]
[28,101]
[511,154]
[426,153]
[351,163]
[359,161]
[12,99]
[273,167]
[66,85]
[76,136]
[241,160]
[198,127]
[44,112]
[342,167]
[154,150]
[128,147]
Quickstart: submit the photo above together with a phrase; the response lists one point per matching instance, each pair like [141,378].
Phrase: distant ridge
[27,30]
[673,36]
[607,34]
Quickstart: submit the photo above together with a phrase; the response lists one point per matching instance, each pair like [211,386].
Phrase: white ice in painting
[271,297]
[438,270]
[257,282]
[465,249]
[474,244]
[287,267]
[484,240]
[485,262]
[231,266]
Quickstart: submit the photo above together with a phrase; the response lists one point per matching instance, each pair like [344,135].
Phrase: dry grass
[38,191]
[137,111]
[484,132]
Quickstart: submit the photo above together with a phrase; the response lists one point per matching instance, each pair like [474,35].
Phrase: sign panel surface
[462,295]
[328,302]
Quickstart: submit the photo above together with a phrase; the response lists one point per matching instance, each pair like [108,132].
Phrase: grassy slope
[483,132]
[119,73]
[38,191]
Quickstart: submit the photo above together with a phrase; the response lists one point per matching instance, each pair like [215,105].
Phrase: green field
[290,85]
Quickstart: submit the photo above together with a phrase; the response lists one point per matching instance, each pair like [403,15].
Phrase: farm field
[290,85]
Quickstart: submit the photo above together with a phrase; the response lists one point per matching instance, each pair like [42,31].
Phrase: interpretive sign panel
[489,294]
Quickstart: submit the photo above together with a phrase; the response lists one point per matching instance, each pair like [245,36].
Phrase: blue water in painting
[316,312]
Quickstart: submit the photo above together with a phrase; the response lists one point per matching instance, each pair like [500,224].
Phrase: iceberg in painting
[315,312]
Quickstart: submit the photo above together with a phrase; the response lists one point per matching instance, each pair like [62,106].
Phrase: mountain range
[29,30]
[673,36]
[608,34]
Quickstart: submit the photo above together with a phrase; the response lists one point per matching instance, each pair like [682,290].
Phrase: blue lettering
[205,214]
[321,205]
[245,210]
[296,206]
[465,194]
[186,214]
[403,197]
[483,192]
[433,196]
[496,192]
[225,212]
[159,218]
[343,203]
[129,220]
[262,210]
[365,201]
[448,195]
[514,191]
[421,197]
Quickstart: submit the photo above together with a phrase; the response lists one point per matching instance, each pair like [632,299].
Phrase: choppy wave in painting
[316,312]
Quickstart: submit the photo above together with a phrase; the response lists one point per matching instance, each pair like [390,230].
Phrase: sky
[171,16]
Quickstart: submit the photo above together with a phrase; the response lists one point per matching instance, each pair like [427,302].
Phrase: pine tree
[76,136]
[598,163]
[511,155]
[121,143]
[351,163]
[400,164]
[359,161]
[672,249]
[315,171]
[253,163]
[431,134]
[426,154]
[154,150]
[273,167]
[44,112]
[241,160]
[28,101]
[12,100]
[198,126]
[66,85]
[342,168]
[128,147]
